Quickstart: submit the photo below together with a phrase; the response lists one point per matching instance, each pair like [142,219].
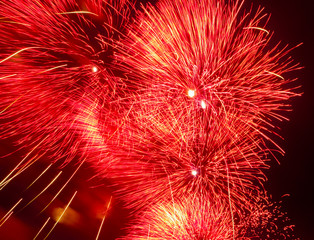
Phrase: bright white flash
[203,104]
[95,69]
[191,93]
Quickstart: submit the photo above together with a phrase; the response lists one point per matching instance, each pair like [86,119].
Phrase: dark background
[293,23]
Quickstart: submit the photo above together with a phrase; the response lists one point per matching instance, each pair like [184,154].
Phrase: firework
[55,56]
[176,109]
[206,53]
[186,219]
[207,92]
[198,218]
[164,157]
[265,219]
[55,75]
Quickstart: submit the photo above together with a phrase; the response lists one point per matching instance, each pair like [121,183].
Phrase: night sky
[293,23]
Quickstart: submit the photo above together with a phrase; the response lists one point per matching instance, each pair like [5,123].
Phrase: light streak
[63,186]
[40,230]
[103,219]
[16,53]
[7,179]
[48,185]
[9,213]
[39,176]
[61,215]
[78,12]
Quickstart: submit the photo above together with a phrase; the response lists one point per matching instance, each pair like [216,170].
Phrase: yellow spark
[11,104]
[12,55]
[5,218]
[9,213]
[258,28]
[277,75]
[64,185]
[61,215]
[41,228]
[50,69]
[78,12]
[6,180]
[12,75]
[53,180]
[103,220]
[22,161]
[42,173]
[24,24]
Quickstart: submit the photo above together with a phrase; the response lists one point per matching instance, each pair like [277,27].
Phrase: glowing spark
[5,218]
[53,68]
[17,52]
[63,186]
[7,179]
[43,226]
[194,172]
[77,12]
[277,75]
[95,69]
[51,182]
[191,93]
[258,28]
[203,104]
[9,213]
[103,220]
[41,174]
[6,108]
[61,215]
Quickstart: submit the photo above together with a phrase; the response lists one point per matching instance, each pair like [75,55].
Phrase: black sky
[293,23]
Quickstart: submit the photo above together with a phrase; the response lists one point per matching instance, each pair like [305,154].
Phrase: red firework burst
[187,219]
[55,75]
[207,52]
[208,90]
[198,218]
[175,157]
[55,56]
